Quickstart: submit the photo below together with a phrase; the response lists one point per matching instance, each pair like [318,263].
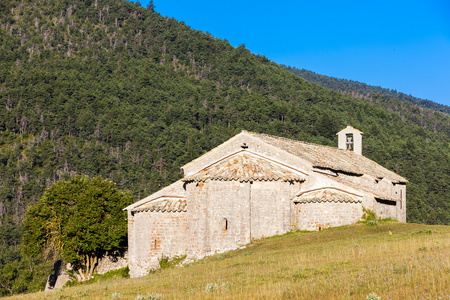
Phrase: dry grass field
[392,260]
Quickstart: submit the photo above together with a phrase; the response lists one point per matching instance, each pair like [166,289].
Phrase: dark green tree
[80,218]
[151,6]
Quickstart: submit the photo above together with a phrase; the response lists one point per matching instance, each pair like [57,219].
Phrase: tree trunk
[86,273]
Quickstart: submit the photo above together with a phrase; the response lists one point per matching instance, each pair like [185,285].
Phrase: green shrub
[166,262]
[221,256]
[368,215]
[369,218]
[372,223]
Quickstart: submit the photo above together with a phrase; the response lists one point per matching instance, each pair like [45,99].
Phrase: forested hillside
[363,89]
[106,87]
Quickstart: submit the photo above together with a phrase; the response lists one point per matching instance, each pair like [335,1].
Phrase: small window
[225,224]
[386,202]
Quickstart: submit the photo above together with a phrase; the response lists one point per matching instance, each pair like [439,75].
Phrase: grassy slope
[341,263]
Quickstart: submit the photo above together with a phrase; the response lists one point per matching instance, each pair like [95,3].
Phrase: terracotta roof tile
[245,167]
[164,205]
[326,195]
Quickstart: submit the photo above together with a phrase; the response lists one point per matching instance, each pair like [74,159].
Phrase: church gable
[236,143]
[245,166]
[175,191]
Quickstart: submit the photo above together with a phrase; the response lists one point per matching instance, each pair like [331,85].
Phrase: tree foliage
[363,90]
[24,276]
[81,218]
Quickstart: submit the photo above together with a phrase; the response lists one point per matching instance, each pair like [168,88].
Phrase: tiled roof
[245,167]
[326,195]
[164,205]
[330,158]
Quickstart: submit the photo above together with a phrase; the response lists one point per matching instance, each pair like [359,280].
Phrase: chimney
[350,139]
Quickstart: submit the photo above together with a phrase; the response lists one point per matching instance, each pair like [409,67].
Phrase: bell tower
[350,139]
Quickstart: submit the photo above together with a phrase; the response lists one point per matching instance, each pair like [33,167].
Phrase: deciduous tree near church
[81,218]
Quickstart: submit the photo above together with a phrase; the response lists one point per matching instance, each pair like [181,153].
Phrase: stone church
[257,185]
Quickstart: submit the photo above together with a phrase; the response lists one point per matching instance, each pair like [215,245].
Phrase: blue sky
[401,45]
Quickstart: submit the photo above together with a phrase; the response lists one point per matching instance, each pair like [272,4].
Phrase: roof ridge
[297,141]
[334,158]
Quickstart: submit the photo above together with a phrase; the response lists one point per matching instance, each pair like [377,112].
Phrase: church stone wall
[317,216]
[196,209]
[227,212]
[153,235]
[111,262]
[395,191]
[225,215]
[271,207]
[401,205]
[386,209]
[219,216]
